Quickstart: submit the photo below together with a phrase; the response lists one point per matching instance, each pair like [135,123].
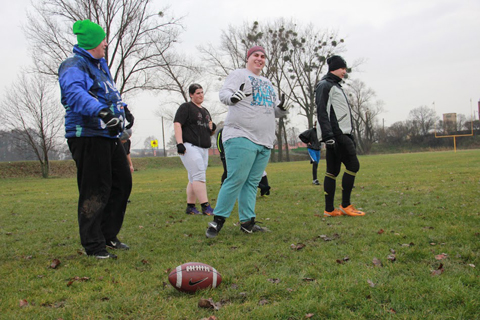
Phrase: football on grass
[193,276]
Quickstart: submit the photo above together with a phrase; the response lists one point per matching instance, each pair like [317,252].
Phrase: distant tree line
[142,55]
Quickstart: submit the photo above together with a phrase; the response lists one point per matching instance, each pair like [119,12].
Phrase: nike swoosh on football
[196,282]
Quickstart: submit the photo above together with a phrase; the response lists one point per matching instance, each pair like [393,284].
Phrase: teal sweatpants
[246,162]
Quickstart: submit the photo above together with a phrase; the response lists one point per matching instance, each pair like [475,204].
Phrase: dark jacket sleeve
[305,136]
[321,100]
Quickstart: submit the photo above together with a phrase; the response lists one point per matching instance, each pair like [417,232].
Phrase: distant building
[450,122]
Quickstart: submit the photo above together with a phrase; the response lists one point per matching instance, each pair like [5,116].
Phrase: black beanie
[336,62]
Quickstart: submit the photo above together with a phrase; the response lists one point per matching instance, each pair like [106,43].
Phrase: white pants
[195,160]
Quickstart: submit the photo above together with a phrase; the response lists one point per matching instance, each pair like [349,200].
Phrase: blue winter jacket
[86,88]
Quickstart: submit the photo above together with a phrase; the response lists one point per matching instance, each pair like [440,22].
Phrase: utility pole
[163,137]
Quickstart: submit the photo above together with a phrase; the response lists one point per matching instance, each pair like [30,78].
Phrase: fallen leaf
[392,257]
[309,315]
[297,247]
[210,318]
[340,261]
[55,263]
[262,302]
[290,290]
[392,251]
[325,238]
[308,279]
[144,261]
[392,310]
[441,256]
[209,304]
[72,280]
[370,283]
[471,265]
[23,303]
[380,231]
[376,262]
[439,270]
[274,280]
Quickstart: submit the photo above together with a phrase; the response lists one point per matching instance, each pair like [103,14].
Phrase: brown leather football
[193,276]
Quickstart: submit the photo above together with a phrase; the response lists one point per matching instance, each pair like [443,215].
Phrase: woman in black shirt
[193,127]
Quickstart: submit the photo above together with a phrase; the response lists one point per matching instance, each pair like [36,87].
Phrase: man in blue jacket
[94,119]
[335,118]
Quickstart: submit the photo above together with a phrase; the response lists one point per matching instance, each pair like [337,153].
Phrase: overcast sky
[416,52]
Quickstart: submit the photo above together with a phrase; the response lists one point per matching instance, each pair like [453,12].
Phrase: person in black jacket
[313,145]
[335,118]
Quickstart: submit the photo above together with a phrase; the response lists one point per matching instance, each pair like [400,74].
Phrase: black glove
[130,118]
[214,128]
[181,148]
[239,95]
[114,124]
[331,144]
[282,102]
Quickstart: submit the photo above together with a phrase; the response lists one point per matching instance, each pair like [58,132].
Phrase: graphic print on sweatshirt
[263,93]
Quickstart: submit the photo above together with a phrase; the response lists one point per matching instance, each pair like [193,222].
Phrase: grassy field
[415,255]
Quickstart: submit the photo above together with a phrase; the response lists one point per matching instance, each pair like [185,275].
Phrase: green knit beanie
[89,34]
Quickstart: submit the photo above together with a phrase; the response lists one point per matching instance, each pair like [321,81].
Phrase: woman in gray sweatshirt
[248,136]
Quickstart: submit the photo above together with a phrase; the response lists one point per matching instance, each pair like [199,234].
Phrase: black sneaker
[116,244]
[215,226]
[251,226]
[104,254]
[265,191]
[316,182]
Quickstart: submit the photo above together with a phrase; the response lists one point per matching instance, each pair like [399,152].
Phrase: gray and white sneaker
[104,254]
[214,227]
[251,227]
[116,244]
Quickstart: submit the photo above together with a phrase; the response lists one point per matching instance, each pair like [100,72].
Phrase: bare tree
[364,113]
[397,133]
[461,120]
[421,120]
[141,42]
[32,109]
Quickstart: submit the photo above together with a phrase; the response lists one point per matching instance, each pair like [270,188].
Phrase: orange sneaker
[334,213]
[351,211]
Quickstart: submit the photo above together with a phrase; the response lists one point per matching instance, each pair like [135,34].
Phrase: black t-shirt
[194,121]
